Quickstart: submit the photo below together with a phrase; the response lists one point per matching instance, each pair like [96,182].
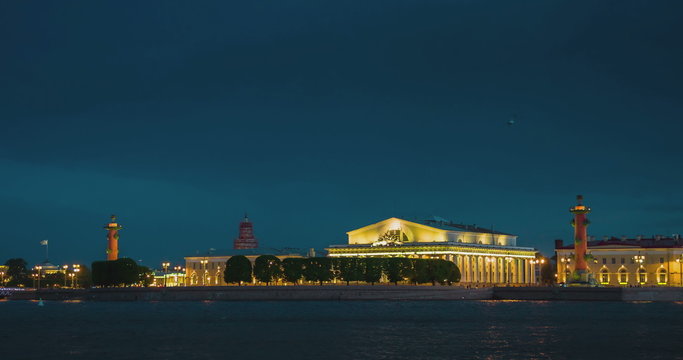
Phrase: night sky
[318,117]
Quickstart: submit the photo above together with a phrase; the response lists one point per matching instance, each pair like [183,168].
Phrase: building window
[604,276]
[623,276]
[661,276]
[604,261]
[661,260]
[623,261]
[614,260]
[642,276]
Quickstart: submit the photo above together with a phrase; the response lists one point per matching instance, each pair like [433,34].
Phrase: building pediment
[395,231]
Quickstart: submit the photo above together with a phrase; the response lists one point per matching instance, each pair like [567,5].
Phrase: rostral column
[113,238]
[580,223]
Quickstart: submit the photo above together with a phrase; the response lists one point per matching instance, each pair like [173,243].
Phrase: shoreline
[352,293]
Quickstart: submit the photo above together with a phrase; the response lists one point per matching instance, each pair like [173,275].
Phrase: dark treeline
[269,269]
[121,272]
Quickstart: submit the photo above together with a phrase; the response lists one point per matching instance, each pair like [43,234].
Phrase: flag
[44,242]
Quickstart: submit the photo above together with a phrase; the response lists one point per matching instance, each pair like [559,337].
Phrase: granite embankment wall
[588,294]
[267,293]
[340,293]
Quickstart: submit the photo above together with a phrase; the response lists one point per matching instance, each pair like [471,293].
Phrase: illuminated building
[113,238]
[245,239]
[655,261]
[207,270]
[639,261]
[168,279]
[482,255]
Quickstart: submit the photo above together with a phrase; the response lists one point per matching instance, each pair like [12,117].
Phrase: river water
[341,330]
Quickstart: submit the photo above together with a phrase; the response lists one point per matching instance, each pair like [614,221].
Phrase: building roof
[443,224]
[255,252]
[640,242]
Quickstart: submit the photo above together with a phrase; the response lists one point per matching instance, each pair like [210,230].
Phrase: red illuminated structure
[246,239]
[580,223]
[113,238]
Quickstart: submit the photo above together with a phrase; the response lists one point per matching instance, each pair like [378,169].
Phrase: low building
[655,261]
[168,279]
[207,269]
[483,255]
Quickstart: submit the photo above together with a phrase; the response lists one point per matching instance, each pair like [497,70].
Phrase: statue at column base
[582,278]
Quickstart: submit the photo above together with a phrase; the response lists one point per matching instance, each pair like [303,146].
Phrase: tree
[84,277]
[350,269]
[420,273]
[145,276]
[121,272]
[101,273]
[293,269]
[396,269]
[17,274]
[373,270]
[318,269]
[453,273]
[267,268]
[548,273]
[237,270]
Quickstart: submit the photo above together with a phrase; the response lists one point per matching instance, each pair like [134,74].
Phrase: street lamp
[77,268]
[65,267]
[165,265]
[72,276]
[38,267]
[177,270]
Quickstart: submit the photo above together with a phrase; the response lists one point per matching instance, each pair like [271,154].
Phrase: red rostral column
[580,223]
[113,238]
[246,239]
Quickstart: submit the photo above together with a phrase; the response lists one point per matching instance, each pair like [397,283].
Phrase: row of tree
[268,269]
[121,272]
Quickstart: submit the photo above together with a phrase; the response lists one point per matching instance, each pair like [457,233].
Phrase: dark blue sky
[318,117]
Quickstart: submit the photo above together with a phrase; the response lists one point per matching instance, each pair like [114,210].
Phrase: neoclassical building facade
[640,261]
[482,255]
[207,269]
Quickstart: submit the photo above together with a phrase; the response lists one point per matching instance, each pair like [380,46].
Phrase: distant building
[3,275]
[483,255]
[245,239]
[207,269]
[639,261]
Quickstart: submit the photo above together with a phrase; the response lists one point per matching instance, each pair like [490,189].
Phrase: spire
[245,239]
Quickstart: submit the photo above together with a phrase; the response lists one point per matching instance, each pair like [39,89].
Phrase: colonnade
[494,269]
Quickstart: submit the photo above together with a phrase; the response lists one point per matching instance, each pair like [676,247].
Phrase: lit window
[661,276]
[604,276]
[642,276]
[623,276]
